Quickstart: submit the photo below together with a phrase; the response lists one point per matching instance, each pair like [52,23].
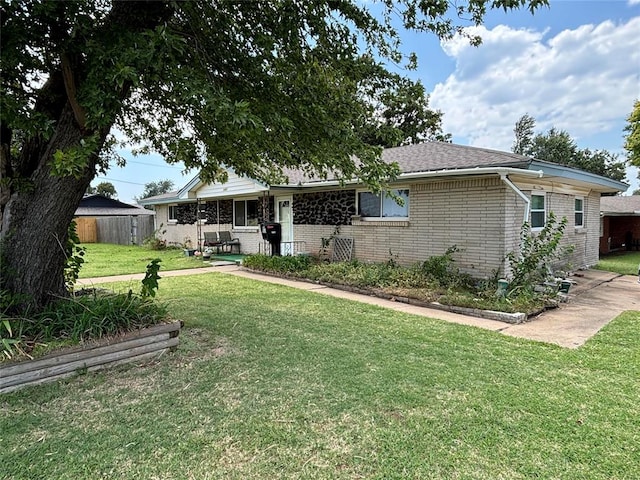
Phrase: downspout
[527,202]
[518,192]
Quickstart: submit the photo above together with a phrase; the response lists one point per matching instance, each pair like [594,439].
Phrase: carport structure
[619,223]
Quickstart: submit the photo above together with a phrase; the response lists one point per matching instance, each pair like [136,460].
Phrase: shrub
[441,269]
[93,314]
[74,253]
[154,242]
[278,264]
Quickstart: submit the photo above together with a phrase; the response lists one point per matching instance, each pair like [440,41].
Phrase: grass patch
[104,259]
[624,263]
[273,382]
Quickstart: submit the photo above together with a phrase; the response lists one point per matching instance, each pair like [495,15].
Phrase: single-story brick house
[619,223]
[474,198]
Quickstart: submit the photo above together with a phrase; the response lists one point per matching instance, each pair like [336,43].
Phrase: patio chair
[211,240]
[227,241]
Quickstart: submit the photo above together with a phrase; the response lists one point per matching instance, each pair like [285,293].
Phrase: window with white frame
[173,213]
[245,213]
[538,211]
[383,206]
[579,211]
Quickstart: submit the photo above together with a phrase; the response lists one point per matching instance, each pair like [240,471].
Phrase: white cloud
[583,80]
[634,2]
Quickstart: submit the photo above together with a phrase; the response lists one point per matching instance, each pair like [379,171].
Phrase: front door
[284,216]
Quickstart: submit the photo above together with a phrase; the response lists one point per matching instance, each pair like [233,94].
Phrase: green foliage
[437,278]
[404,118]
[106,189]
[9,345]
[75,257]
[277,264]
[154,241]
[441,269]
[539,254]
[524,131]
[258,87]
[93,315]
[624,263]
[150,280]
[632,138]
[152,189]
[306,78]
[558,146]
[73,161]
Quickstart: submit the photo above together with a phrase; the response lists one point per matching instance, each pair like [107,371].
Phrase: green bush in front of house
[435,279]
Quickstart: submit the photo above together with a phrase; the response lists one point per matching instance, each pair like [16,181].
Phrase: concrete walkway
[595,299]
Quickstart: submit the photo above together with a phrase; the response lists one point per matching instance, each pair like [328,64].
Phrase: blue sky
[574,65]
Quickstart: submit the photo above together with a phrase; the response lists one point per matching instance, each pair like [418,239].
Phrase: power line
[153,164]
[121,181]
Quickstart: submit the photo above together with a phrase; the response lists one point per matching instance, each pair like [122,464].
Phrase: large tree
[632,138]
[559,147]
[106,189]
[152,189]
[256,86]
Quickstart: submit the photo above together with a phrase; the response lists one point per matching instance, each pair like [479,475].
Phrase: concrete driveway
[596,299]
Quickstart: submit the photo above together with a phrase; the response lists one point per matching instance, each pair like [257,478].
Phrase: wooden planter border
[133,346]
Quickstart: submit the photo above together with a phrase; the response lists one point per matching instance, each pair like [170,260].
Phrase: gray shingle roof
[620,205]
[434,156]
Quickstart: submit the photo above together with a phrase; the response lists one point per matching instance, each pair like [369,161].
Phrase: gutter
[455,172]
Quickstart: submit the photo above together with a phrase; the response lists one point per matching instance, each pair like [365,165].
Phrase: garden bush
[435,279]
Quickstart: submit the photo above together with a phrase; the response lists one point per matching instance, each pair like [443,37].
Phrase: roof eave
[604,184]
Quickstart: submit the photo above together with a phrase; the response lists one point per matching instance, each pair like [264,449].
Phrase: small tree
[539,252]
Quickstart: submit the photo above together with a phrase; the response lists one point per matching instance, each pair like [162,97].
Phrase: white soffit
[235,186]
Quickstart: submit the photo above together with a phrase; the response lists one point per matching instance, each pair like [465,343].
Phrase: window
[538,211]
[245,213]
[383,206]
[579,212]
[173,213]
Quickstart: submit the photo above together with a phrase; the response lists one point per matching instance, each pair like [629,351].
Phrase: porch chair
[211,240]
[227,241]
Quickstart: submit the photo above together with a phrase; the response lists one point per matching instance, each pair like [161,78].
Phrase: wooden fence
[87,229]
[129,230]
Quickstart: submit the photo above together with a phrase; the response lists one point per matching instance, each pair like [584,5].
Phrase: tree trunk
[36,206]
[36,220]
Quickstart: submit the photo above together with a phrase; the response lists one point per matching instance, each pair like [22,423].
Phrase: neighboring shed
[619,223]
[105,220]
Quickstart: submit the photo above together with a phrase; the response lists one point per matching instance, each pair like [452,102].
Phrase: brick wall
[467,213]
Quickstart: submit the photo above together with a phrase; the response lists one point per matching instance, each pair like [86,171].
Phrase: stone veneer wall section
[324,208]
[187,213]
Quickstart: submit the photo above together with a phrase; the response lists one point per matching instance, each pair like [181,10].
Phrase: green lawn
[272,382]
[625,263]
[104,259]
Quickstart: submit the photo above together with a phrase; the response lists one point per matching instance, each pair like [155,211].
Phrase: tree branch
[70,88]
